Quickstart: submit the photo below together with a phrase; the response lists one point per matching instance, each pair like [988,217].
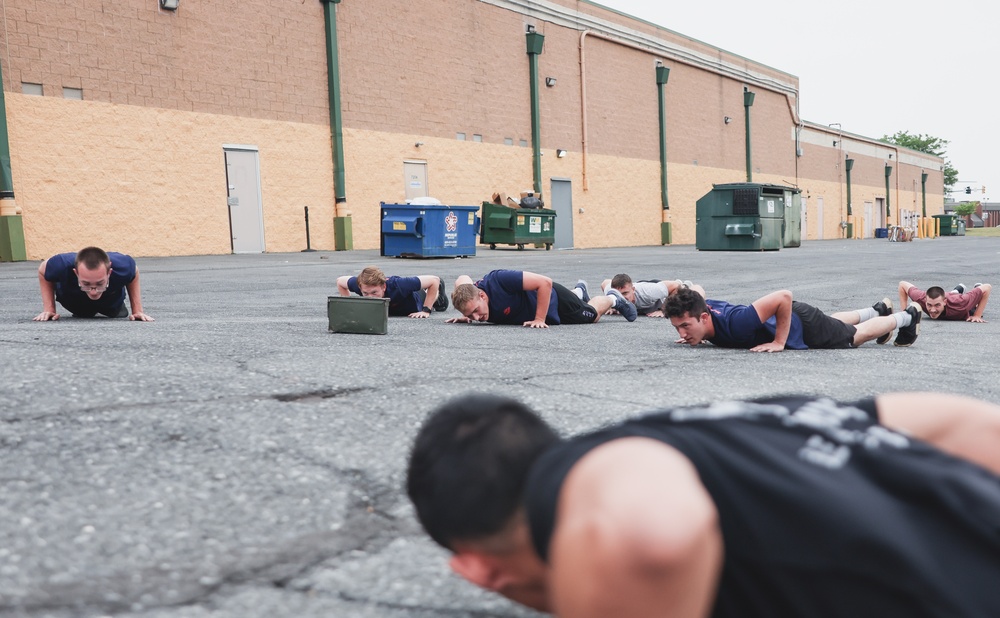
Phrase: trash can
[960,229]
[428,230]
[503,225]
[742,217]
[948,225]
[881,232]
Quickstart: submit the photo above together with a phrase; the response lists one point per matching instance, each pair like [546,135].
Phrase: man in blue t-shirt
[528,299]
[88,283]
[415,297]
[775,322]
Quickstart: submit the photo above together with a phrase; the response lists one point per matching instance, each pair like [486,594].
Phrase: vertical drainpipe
[923,192]
[848,165]
[342,232]
[888,211]
[747,102]
[535,41]
[662,74]
[11,225]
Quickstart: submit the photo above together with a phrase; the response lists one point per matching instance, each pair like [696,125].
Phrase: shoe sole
[884,339]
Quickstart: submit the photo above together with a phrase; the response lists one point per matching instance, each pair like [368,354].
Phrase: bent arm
[961,426]
[48,290]
[135,300]
[981,307]
[431,284]
[904,294]
[630,544]
[779,305]
[342,288]
[542,286]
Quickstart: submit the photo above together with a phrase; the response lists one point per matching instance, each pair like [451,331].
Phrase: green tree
[926,143]
[966,208]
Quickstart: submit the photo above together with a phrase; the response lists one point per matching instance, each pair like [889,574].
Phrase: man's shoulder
[59,264]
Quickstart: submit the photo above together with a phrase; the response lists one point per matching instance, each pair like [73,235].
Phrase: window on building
[477,137]
[524,143]
[508,141]
[73,93]
[32,89]
[460,137]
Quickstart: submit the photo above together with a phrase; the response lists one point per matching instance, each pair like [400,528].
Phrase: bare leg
[602,304]
[847,317]
[873,328]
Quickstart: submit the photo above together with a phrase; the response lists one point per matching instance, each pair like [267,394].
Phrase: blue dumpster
[428,230]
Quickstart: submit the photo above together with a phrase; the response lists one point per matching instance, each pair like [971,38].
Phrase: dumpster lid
[755,185]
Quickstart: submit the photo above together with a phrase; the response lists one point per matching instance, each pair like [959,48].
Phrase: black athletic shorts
[820,331]
[572,309]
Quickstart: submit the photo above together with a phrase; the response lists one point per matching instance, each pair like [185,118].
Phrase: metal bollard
[308,246]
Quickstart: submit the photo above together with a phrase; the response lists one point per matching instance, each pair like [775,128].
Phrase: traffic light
[968,190]
[984,189]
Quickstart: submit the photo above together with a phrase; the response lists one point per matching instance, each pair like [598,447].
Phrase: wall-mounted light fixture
[560,153]
[727,120]
[890,155]
[834,143]
[169,5]
[418,144]
[550,81]
[529,28]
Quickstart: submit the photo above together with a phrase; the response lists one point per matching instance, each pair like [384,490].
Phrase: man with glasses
[88,283]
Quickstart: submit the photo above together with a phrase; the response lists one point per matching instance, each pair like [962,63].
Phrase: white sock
[866,314]
[578,292]
[902,319]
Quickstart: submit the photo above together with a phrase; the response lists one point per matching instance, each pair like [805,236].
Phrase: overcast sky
[875,66]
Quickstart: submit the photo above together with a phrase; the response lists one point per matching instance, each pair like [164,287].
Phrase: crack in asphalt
[367,527]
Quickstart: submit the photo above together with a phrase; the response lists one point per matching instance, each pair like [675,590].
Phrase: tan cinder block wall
[152,181]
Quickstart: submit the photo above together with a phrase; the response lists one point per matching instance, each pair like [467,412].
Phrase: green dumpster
[745,217]
[949,226]
[503,225]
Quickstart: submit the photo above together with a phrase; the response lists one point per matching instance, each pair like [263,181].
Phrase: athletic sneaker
[883,308]
[908,334]
[582,286]
[623,306]
[978,285]
[960,288]
[441,303]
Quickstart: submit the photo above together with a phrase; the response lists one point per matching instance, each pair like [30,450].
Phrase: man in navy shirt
[88,283]
[790,506]
[775,322]
[529,299]
[416,297]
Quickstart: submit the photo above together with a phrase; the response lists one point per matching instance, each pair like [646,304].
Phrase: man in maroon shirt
[941,305]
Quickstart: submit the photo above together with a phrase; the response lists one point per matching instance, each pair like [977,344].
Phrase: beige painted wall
[151,181]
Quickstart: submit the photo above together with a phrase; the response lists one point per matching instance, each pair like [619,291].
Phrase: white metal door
[415,175]
[819,218]
[246,216]
[867,232]
[562,201]
[804,224]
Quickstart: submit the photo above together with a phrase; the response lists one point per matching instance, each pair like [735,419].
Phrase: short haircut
[463,294]
[620,280]
[685,301]
[935,291]
[469,465]
[371,275]
[92,257]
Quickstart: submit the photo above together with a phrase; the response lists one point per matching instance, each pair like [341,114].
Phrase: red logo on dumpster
[451,222]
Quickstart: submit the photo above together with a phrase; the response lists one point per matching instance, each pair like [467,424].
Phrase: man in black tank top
[792,506]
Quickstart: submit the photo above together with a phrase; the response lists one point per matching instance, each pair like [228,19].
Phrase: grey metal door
[561,198]
[246,216]
[415,175]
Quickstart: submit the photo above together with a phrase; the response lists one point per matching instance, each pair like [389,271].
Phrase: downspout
[343,236]
[848,165]
[534,42]
[923,192]
[11,224]
[747,103]
[888,211]
[662,74]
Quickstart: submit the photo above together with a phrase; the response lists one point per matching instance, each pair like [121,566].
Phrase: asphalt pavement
[233,459]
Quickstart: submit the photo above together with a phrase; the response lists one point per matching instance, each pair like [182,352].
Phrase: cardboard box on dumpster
[356,314]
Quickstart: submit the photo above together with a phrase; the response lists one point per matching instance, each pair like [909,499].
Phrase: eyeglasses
[100,287]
